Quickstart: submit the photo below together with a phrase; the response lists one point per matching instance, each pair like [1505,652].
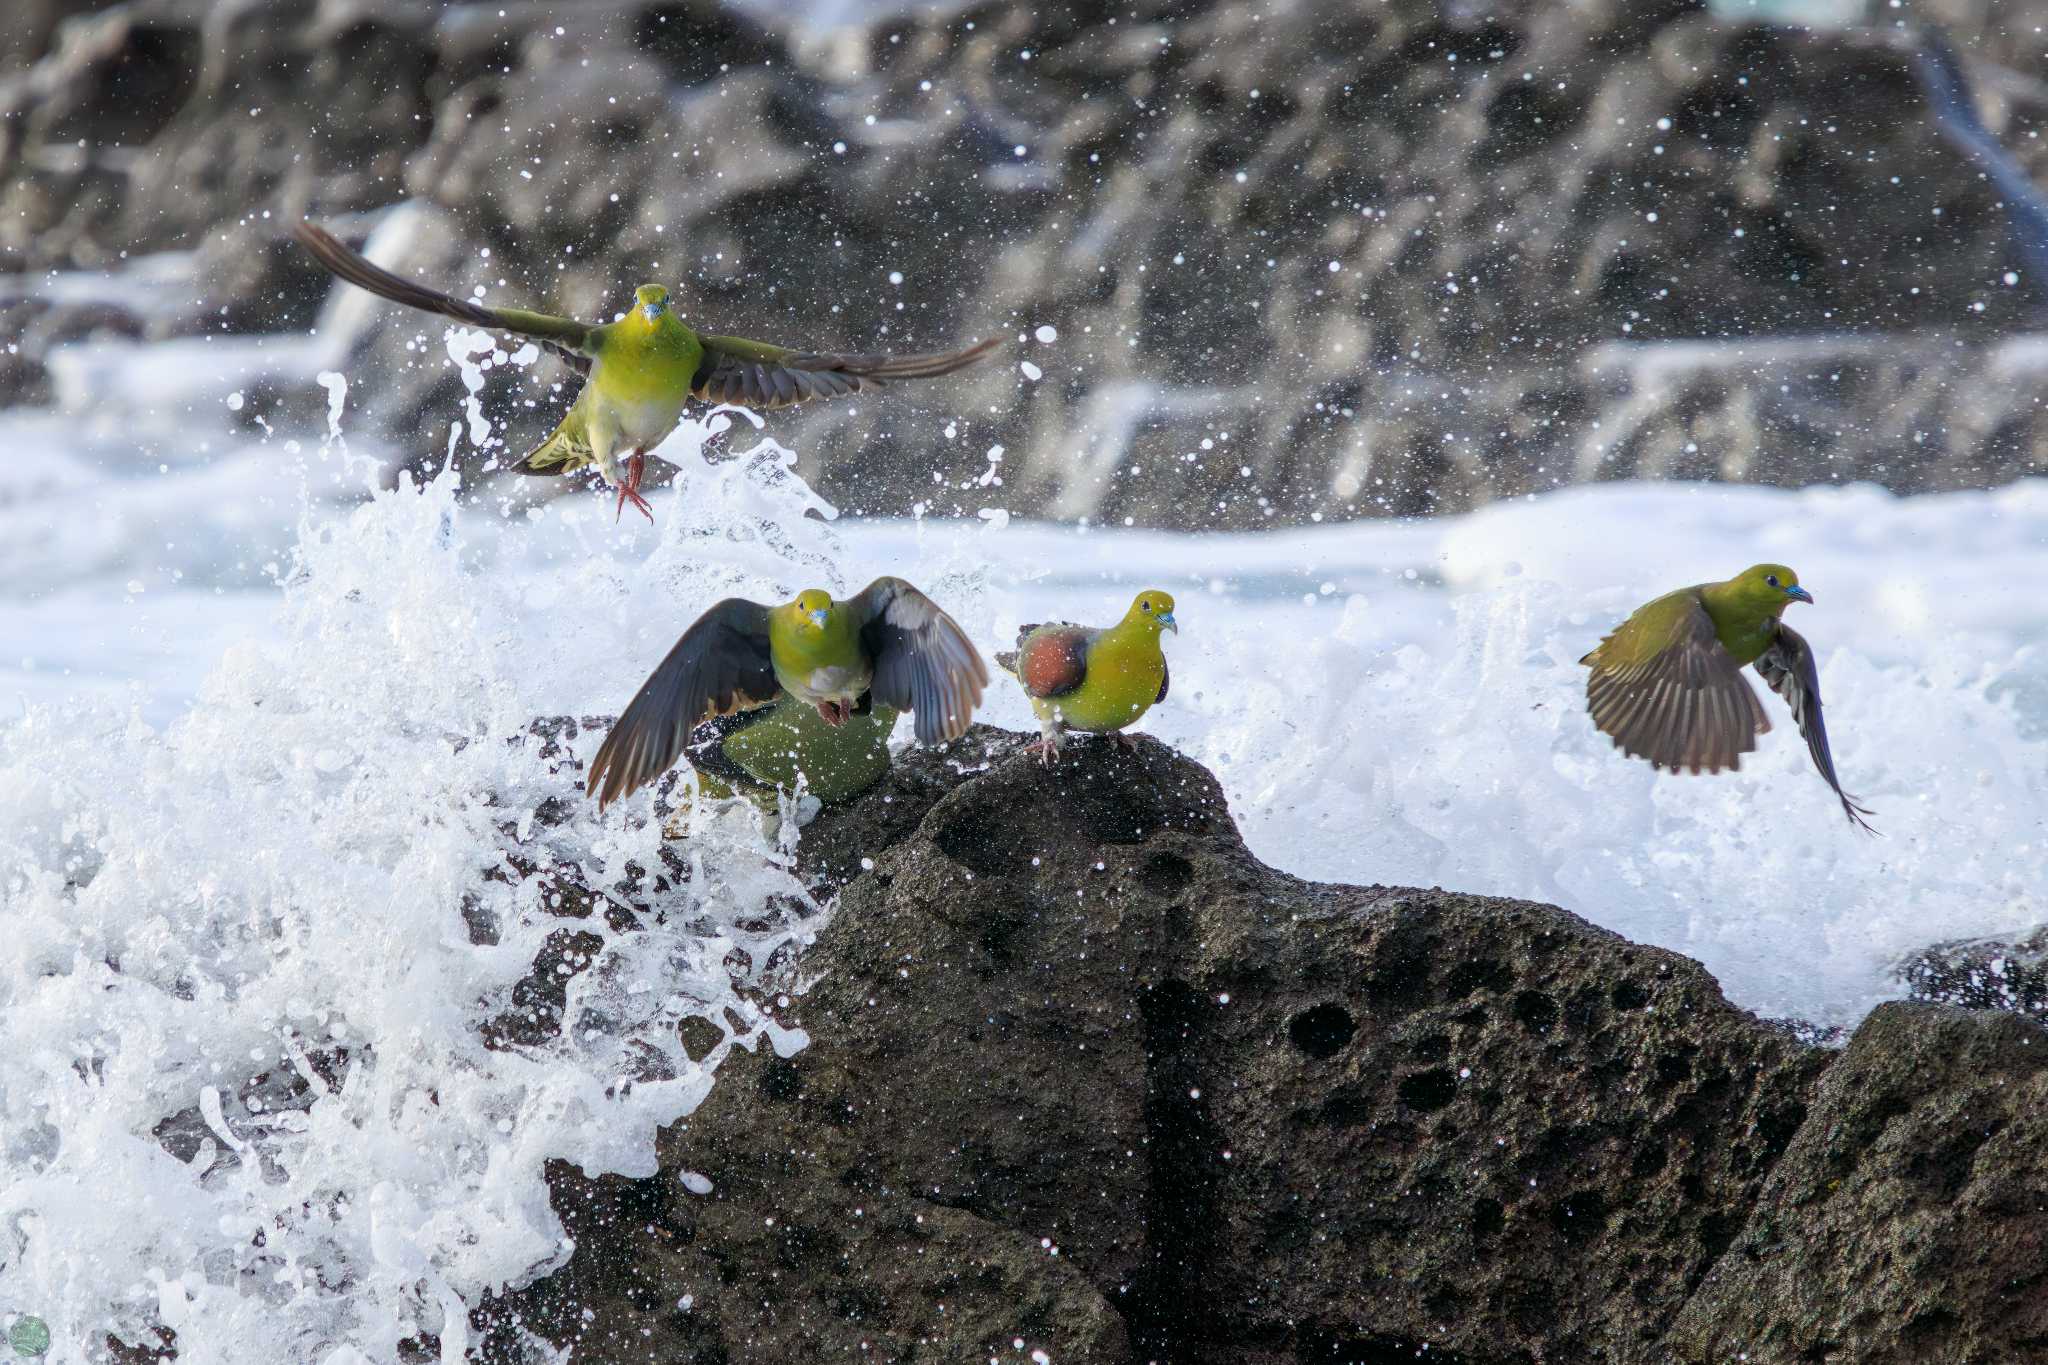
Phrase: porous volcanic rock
[1086,1075]
[1908,1220]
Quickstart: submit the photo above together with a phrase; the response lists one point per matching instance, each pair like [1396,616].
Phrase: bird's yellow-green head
[811,631]
[651,300]
[1768,587]
[812,610]
[1152,610]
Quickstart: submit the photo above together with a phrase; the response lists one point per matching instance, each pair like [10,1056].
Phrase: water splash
[246,1093]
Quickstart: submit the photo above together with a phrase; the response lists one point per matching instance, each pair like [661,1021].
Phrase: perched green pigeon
[1667,684]
[642,368]
[1081,678]
[889,645]
[754,753]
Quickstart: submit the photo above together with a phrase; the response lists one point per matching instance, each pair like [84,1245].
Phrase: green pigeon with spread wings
[641,370]
[886,646]
[1667,684]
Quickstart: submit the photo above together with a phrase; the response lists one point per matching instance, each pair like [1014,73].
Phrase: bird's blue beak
[1165,618]
[651,311]
[1798,594]
[819,617]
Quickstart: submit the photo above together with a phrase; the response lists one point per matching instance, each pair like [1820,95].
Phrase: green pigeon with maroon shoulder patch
[1096,680]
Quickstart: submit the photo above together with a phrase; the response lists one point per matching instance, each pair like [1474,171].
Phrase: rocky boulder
[1087,1079]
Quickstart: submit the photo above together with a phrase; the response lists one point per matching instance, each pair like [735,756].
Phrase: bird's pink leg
[835,712]
[1123,741]
[1045,749]
[629,487]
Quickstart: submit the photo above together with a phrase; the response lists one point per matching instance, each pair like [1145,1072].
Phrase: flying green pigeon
[642,368]
[1667,683]
[755,753]
[887,646]
[1081,678]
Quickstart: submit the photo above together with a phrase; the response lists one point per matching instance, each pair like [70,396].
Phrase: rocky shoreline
[1086,1079]
[1324,262]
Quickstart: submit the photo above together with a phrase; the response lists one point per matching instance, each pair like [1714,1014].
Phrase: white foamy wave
[257,923]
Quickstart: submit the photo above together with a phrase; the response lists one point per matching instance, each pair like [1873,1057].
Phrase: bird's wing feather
[564,336]
[720,665]
[924,663]
[1052,659]
[1788,667]
[1165,681]
[756,374]
[1663,687]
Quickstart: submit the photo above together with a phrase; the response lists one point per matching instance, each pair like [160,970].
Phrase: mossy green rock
[757,752]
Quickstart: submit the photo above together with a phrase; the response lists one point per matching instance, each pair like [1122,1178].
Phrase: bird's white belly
[648,422]
[833,684]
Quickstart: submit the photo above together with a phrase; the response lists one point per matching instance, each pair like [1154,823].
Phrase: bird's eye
[1771,579]
[1145,605]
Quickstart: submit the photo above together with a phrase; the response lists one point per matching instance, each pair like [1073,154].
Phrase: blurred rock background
[1303,260]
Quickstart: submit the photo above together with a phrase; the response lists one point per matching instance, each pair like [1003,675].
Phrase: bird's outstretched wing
[572,340]
[1051,659]
[1663,687]
[720,665]
[1789,669]
[924,663]
[758,375]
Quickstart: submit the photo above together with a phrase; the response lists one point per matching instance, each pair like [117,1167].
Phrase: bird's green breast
[645,362]
[814,663]
[1125,672]
[1743,625]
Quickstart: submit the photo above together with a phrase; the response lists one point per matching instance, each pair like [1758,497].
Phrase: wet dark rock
[1906,1219]
[1506,314]
[1084,1073]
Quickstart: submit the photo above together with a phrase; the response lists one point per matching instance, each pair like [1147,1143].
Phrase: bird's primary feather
[757,374]
[720,665]
[924,663]
[562,335]
[1789,669]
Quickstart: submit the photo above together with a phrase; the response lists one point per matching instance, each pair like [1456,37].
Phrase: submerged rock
[1086,1078]
[1983,974]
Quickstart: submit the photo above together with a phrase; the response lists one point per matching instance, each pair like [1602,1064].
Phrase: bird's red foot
[1045,749]
[629,488]
[835,713]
